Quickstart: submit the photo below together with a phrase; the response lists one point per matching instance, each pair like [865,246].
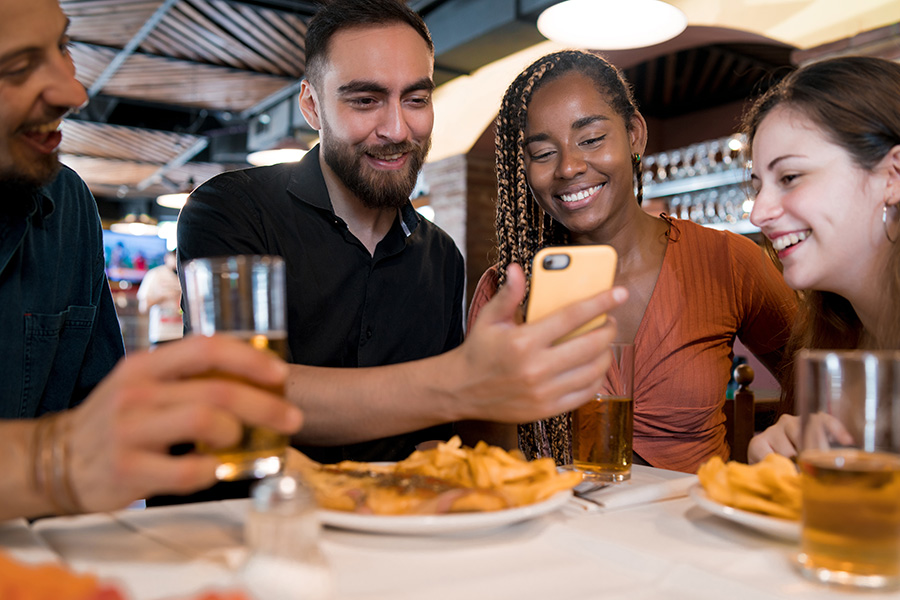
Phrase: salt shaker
[282,534]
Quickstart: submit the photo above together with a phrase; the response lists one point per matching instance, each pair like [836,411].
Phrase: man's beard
[375,189]
[29,174]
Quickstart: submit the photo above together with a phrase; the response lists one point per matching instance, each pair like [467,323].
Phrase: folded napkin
[627,494]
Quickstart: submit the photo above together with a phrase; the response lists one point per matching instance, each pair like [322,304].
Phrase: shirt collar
[31,202]
[43,204]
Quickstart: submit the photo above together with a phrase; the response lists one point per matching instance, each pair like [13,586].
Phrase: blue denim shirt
[59,335]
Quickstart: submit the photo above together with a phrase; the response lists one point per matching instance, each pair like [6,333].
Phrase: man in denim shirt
[59,327]
[59,336]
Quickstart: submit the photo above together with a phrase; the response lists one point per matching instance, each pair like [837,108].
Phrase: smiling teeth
[388,156]
[790,239]
[580,195]
[46,127]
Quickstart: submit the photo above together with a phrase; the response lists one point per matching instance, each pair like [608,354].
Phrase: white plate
[780,528]
[437,524]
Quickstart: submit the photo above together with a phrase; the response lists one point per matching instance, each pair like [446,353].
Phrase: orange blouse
[713,286]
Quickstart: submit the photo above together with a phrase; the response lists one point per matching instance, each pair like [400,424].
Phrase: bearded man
[370,282]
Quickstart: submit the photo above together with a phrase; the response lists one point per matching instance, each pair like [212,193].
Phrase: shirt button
[368,332]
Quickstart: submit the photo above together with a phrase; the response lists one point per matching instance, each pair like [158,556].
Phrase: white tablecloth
[668,549]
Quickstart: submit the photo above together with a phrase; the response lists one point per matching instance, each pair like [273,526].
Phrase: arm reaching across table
[504,371]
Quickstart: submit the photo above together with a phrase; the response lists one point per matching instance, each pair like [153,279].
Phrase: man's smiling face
[374,111]
[37,88]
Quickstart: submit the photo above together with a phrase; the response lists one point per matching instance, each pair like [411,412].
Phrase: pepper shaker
[282,535]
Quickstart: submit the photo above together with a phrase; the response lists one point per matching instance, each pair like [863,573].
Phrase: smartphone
[563,275]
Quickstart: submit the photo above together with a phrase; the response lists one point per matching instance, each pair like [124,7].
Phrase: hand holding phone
[562,275]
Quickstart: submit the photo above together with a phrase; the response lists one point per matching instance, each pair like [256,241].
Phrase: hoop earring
[884,220]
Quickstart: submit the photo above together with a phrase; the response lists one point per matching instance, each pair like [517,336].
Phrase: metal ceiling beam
[176,162]
[271,100]
[129,49]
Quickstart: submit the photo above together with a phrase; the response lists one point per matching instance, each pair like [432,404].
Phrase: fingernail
[620,294]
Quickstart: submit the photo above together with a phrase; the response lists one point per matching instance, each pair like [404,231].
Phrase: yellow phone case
[563,275]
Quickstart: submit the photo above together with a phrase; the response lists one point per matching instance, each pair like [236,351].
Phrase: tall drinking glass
[850,467]
[602,429]
[242,296]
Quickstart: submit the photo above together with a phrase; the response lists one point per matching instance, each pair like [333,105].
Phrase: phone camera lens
[555,262]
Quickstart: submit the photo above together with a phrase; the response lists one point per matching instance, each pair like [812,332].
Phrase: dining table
[641,539]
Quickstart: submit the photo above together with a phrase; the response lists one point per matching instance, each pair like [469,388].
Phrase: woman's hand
[783,437]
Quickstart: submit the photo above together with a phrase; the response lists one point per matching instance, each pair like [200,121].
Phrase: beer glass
[602,429]
[850,467]
[242,296]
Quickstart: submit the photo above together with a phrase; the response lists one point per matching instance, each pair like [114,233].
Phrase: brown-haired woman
[826,175]
[568,146]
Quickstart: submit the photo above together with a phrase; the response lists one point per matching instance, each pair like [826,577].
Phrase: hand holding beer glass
[602,429]
[243,296]
[849,459]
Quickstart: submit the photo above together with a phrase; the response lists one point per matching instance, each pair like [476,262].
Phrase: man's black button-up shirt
[346,307]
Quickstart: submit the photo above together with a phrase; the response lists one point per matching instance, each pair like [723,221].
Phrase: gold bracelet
[37,479]
[62,472]
[44,433]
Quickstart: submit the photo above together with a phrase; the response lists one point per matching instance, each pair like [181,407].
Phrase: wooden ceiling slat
[272,38]
[650,78]
[215,43]
[173,81]
[113,141]
[160,43]
[238,27]
[669,69]
[110,22]
[724,67]
[90,61]
[238,55]
[203,46]
[291,25]
[109,6]
[200,15]
[687,74]
[714,56]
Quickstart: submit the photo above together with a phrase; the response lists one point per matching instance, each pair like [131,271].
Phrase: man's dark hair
[343,14]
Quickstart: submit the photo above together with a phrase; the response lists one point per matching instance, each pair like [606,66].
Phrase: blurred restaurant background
[184,89]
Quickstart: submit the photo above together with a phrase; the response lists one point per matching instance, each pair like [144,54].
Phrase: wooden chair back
[740,414]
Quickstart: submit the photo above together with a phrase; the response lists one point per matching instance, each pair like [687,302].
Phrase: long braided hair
[523,227]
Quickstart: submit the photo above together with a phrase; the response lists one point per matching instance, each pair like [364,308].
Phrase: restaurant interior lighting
[611,24]
[175,200]
[134,224]
[287,150]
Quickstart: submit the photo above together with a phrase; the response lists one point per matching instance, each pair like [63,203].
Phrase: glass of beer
[850,467]
[602,429]
[242,296]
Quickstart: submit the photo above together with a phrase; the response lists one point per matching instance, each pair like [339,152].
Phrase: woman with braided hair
[568,145]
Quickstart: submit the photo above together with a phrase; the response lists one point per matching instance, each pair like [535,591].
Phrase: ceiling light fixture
[611,24]
[287,150]
[175,200]
[136,225]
